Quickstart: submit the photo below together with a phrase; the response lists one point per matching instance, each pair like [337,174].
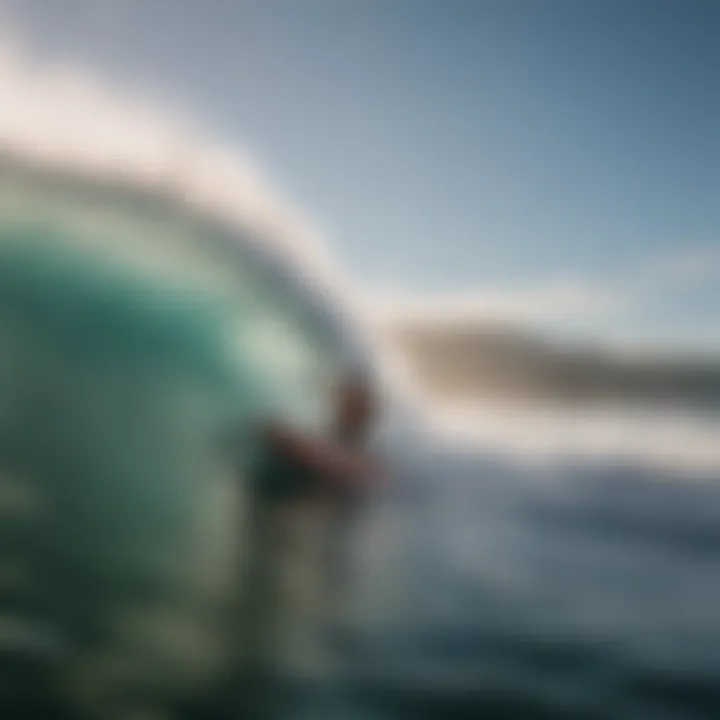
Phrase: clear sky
[510,147]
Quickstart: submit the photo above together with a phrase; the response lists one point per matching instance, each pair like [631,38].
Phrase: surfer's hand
[340,465]
[322,456]
[363,470]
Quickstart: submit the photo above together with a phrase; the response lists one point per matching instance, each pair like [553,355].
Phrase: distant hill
[471,360]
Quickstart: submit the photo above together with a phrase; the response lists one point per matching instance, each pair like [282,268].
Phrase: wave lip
[62,119]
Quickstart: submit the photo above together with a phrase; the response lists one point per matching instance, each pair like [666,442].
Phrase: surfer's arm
[321,456]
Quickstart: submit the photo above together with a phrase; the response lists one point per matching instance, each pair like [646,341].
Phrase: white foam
[667,441]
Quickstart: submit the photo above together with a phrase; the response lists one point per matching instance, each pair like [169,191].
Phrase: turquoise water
[136,341]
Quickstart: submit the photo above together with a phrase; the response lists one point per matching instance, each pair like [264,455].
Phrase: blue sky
[509,147]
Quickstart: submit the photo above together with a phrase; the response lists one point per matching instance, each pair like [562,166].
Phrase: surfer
[306,497]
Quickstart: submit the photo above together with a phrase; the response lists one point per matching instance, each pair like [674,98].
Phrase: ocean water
[490,588]
[570,573]
[484,585]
